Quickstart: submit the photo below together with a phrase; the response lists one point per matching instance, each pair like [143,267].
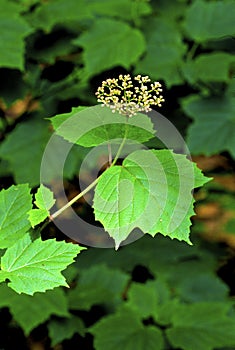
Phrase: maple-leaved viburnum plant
[149,190]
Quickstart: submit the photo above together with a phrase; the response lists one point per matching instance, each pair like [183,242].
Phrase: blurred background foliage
[53,56]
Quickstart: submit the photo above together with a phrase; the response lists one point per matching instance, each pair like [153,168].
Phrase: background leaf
[15,202]
[198,322]
[13,30]
[124,329]
[212,118]
[209,20]
[165,50]
[214,67]
[30,311]
[24,148]
[110,39]
[92,290]
[60,330]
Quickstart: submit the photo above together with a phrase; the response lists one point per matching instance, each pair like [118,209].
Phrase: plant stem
[94,183]
[81,194]
[110,154]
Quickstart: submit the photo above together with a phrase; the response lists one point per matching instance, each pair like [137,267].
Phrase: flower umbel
[126,97]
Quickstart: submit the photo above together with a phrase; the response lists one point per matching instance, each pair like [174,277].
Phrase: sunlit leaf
[36,266]
[151,191]
[15,202]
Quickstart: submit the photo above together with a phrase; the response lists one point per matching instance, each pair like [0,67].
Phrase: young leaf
[212,116]
[30,311]
[152,191]
[124,330]
[60,330]
[44,200]
[110,40]
[203,326]
[15,202]
[36,266]
[94,125]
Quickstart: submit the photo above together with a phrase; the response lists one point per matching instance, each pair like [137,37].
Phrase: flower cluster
[126,97]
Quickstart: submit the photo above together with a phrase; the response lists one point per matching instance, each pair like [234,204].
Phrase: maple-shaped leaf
[124,330]
[30,311]
[36,266]
[15,202]
[44,200]
[151,191]
[203,326]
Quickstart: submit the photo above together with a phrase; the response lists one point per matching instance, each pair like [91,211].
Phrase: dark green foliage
[53,56]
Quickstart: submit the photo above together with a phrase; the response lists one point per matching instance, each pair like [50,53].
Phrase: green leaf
[36,266]
[200,287]
[95,125]
[44,200]
[92,289]
[13,30]
[60,12]
[60,330]
[28,311]
[165,50]
[110,40]
[125,331]
[210,20]
[144,298]
[213,67]
[24,148]
[203,326]
[213,117]
[15,202]
[151,191]
[125,9]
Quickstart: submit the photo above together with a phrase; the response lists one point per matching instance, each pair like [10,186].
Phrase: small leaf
[28,311]
[95,125]
[210,20]
[60,330]
[36,266]
[151,191]
[44,200]
[110,40]
[124,330]
[15,202]
[203,326]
